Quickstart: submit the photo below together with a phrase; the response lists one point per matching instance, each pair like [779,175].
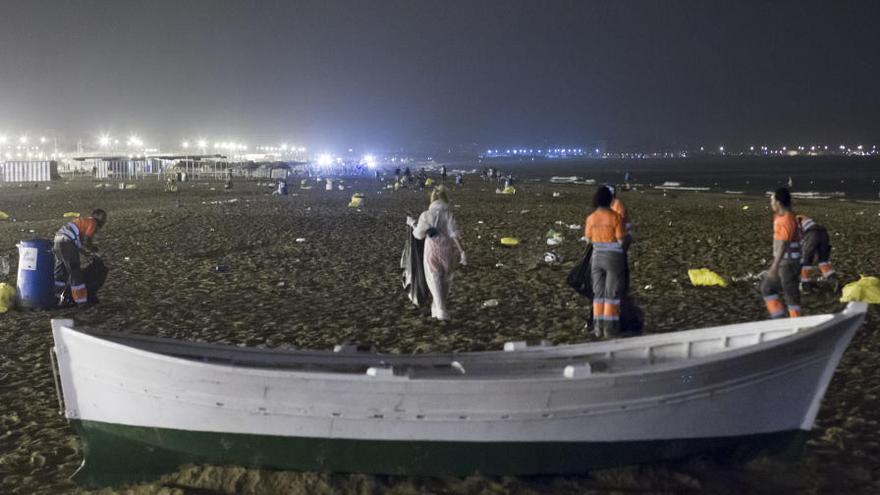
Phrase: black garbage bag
[632,318]
[94,277]
[411,261]
[579,276]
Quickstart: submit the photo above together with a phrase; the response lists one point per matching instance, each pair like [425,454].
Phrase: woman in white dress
[437,227]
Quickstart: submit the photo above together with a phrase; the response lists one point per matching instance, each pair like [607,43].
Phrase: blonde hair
[439,192]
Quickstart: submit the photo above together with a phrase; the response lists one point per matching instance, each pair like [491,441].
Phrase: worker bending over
[70,239]
[604,230]
[816,249]
[783,275]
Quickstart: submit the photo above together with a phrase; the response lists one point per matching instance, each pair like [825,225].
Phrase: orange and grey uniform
[67,243]
[816,249]
[605,230]
[785,228]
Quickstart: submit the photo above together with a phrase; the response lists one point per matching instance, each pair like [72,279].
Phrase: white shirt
[439,216]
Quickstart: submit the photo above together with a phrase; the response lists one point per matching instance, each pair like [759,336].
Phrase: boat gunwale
[508,357]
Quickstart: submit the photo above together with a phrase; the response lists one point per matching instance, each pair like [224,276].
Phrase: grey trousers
[609,279]
[787,286]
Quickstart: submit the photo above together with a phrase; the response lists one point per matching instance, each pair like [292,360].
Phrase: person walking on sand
[816,249]
[604,230]
[437,227]
[783,275]
[70,239]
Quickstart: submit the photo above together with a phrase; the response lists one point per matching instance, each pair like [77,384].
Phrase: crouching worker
[816,250]
[70,239]
[783,274]
[437,227]
[605,231]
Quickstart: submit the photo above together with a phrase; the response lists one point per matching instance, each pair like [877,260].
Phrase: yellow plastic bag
[509,241]
[7,297]
[3,215]
[429,182]
[509,190]
[356,200]
[705,276]
[867,289]
[71,214]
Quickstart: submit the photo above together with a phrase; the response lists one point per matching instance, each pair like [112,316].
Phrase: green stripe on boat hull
[117,454]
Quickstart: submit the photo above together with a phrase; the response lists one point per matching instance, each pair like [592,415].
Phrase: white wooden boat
[145,405]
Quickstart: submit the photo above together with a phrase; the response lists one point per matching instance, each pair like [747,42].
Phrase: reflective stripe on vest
[70,231]
[807,224]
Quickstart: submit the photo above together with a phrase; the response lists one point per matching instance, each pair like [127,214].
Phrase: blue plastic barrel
[36,265]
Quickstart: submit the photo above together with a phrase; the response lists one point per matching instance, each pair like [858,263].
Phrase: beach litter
[300,239]
[866,289]
[4,215]
[4,266]
[356,200]
[490,303]
[70,214]
[221,268]
[509,241]
[553,237]
[552,258]
[7,297]
[706,277]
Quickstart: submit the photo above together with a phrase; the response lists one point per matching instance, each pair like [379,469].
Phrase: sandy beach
[225,266]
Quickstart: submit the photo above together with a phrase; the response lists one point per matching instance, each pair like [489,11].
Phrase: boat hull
[670,396]
[120,453]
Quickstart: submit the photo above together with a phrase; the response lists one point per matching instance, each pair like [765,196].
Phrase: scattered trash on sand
[7,297]
[4,215]
[550,257]
[357,200]
[553,237]
[300,239]
[706,277]
[70,214]
[866,289]
[509,241]
[490,303]
[221,268]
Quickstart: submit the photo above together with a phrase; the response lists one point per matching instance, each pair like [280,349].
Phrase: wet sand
[343,283]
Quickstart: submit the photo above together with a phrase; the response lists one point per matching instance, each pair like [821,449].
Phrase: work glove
[463,259]
[411,221]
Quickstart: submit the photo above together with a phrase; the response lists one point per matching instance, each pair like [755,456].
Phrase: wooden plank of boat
[532,410]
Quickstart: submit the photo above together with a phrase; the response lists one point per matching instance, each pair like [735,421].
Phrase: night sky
[387,74]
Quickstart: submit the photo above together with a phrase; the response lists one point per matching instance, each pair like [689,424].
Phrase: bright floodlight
[185,144]
[23,140]
[2,139]
[283,146]
[370,160]
[302,150]
[104,141]
[325,159]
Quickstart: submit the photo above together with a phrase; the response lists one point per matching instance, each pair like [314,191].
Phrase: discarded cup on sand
[490,303]
[300,239]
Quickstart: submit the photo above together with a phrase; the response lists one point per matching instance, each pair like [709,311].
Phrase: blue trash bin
[36,265]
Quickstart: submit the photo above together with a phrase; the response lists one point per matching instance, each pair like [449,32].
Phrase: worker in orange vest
[70,239]
[618,207]
[783,275]
[605,231]
[816,249]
